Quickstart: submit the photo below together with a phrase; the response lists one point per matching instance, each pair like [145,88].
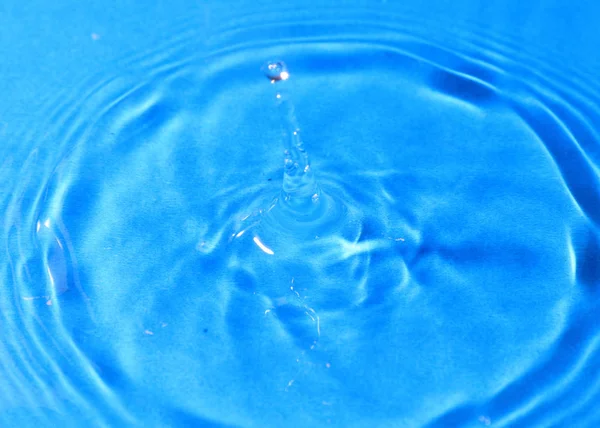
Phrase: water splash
[477,258]
[302,208]
[300,191]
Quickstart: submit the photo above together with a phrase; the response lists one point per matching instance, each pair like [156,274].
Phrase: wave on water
[172,254]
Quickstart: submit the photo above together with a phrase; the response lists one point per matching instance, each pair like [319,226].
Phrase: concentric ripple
[173,258]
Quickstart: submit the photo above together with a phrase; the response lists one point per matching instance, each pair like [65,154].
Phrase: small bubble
[276,71]
[315,198]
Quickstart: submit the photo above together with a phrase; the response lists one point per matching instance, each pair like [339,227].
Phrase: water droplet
[315,198]
[276,71]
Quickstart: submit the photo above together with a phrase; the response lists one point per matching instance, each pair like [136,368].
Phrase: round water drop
[276,71]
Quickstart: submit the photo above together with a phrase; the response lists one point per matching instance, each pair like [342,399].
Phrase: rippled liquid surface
[442,269]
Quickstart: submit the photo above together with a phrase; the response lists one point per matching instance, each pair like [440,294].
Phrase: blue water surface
[257,213]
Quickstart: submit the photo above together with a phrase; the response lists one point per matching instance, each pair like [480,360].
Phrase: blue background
[457,284]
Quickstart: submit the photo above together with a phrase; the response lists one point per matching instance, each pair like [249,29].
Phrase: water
[397,226]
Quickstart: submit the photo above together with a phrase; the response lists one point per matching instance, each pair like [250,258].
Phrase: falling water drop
[276,71]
